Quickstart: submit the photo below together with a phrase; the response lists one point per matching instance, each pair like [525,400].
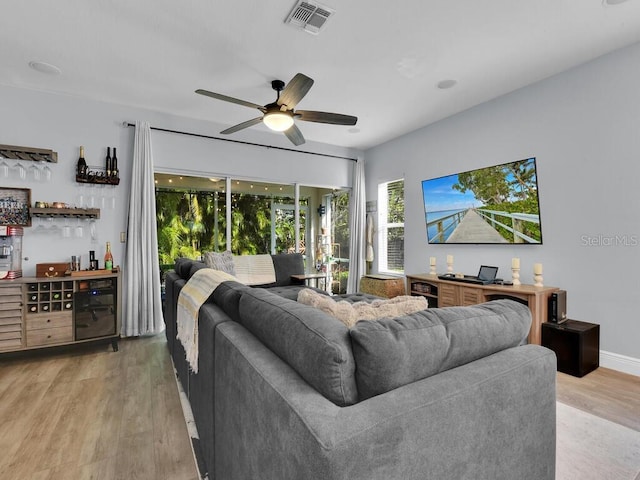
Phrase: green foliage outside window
[186,222]
[191,223]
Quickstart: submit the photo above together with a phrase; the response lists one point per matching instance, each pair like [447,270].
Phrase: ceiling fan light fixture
[278,121]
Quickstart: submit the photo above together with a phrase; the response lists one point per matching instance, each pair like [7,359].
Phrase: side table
[576,344]
[307,278]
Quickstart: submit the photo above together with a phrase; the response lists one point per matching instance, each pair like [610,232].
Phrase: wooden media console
[450,293]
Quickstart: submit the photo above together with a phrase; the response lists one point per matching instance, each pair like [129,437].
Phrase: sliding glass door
[192,219]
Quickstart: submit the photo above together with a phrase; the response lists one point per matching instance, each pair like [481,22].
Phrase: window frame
[384,226]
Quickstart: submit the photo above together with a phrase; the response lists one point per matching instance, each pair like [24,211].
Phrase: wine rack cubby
[54,296]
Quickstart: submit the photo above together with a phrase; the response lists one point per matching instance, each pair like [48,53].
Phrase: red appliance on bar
[10,252]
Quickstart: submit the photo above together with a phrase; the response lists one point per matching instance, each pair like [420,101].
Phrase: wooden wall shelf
[66,212]
[98,180]
[13,152]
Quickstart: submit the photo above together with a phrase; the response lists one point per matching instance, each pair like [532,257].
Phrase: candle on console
[449,258]
[515,262]
[537,268]
[432,261]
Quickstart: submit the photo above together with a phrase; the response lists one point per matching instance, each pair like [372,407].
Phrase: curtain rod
[127,124]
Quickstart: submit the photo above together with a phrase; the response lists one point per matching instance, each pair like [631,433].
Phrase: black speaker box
[557,308]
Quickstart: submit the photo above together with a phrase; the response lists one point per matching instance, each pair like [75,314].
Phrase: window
[391,226]
[192,213]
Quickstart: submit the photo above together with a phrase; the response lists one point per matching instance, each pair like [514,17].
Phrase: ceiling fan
[280,115]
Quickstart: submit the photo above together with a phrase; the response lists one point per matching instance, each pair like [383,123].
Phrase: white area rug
[592,448]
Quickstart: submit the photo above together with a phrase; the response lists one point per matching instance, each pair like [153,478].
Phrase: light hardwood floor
[94,414]
[606,393]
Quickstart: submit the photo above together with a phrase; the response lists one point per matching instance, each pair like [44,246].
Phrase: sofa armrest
[492,418]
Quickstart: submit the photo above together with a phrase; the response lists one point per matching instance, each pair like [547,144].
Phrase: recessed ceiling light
[444,84]
[45,68]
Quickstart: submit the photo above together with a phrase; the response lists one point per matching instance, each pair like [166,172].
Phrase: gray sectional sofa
[285,391]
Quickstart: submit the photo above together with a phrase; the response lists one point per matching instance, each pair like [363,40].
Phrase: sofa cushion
[195,266]
[292,291]
[227,297]
[222,261]
[285,265]
[183,267]
[314,344]
[355,297]
[351,313]
[390,353]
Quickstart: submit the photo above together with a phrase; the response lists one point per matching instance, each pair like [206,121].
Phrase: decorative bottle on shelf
[108,258]
[114,164]
[109,163]
[81,169]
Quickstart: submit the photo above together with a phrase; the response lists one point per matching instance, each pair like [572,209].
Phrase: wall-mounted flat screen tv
[497,204]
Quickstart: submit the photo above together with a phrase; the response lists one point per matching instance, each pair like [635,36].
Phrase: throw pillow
[220,261]
[352,313]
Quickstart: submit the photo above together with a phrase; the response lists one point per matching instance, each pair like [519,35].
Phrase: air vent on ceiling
[309,16]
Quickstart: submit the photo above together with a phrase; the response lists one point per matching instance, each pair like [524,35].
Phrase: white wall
[583,127]
[63,123]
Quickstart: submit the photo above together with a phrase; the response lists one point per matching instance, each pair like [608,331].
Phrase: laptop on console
[486,276]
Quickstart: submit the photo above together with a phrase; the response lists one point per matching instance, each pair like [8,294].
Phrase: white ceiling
[380,61]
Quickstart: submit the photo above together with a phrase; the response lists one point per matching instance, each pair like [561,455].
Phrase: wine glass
[81,197]
[66,229]
[40,225]
[93,231]
[53,227]
[34,173]
[111,197]
[79,229]
[91,197]
[47,173]
[19,171]
[4,169]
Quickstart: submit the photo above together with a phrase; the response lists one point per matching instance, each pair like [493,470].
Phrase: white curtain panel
[357,225]
[143,303]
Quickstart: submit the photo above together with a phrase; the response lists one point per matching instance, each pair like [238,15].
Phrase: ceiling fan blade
[295,90]
[240,126]
[294,134]
[325,117]
[226,98]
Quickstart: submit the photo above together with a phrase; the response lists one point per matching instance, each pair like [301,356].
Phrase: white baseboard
[621,363]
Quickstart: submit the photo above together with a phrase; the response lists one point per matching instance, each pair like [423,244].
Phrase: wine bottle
[108,161]
[81,169]
[108,258]
[114,164]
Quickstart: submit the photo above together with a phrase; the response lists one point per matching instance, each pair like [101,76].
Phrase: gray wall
[583,127]
[63,123]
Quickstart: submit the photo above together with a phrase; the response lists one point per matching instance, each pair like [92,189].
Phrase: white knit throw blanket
[254,269]
[194,293]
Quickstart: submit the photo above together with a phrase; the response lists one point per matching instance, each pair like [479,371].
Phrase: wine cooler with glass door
[95,308]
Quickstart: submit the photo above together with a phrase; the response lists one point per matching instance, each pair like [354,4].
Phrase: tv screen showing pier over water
[497,204]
